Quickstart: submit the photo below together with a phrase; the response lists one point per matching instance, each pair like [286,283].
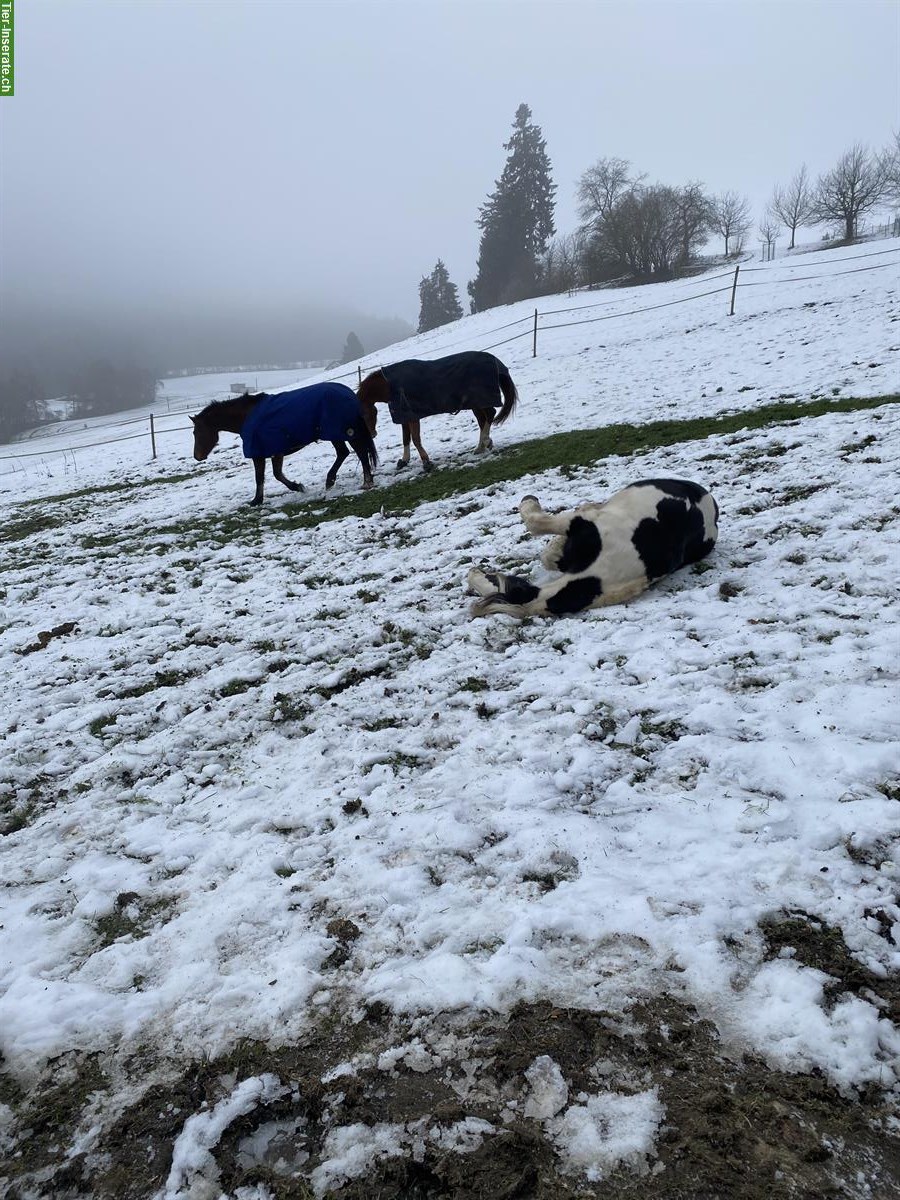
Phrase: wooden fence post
[734,289]
[534,341]
[152,435]
[359,373]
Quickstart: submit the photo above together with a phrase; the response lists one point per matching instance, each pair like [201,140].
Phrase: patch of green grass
[132,917]
[107,488]
[380,723]
[354,676]
[234,687]
[474,684]
[98,724]
[24,527]
[162,679]
[290,708]
[580,448]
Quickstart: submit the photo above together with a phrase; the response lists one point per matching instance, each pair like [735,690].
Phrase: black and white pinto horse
[272,426]
[606,553]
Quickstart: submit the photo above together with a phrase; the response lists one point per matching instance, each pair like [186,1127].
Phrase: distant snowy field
[238,744]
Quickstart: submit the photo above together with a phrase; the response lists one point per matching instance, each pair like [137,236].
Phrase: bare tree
[890,162]
[794,205]
[731,217]
[768,232]
[601,187]
[852,188]
[693,217]
[562,267]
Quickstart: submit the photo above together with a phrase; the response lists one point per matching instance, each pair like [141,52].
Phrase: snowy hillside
[277,783]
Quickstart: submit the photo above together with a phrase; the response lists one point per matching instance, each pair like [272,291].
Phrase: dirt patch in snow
[445,1110]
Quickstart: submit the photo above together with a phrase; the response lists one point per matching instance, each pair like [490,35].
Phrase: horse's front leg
[259,466]
[277,462]
[415,431]
[484,417]
[341,452]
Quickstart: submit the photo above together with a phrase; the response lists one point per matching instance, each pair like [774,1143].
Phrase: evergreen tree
[438,299]
[516,220]
[352,349]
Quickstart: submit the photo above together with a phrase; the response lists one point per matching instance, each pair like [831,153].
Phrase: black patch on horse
[665,541]
[575,596]
[582,547]
[514,588]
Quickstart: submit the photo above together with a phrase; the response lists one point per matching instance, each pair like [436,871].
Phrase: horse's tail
[364,444]
[510,395]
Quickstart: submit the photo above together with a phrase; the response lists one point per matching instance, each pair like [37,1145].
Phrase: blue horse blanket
[288,421]
[422,389]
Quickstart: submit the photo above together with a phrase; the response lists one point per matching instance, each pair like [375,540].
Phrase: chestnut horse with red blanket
[414,389]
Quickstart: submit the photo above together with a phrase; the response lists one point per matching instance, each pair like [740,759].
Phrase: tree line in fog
[640,232]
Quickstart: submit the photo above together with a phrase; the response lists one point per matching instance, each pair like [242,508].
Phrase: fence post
[534,341]
[359,372]
[734,288]
[152,435]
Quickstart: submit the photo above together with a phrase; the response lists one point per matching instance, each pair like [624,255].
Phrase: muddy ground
[733,1127]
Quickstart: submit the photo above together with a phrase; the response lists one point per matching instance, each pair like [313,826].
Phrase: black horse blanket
[288,421]
[423,389]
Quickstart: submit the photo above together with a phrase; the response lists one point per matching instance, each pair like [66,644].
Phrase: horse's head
[373,390]
[205,438]
[370,416]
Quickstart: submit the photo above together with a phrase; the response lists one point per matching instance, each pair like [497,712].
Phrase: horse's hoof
[255,502]
[368,485]
[296,487]
[427,466]
[402,465]
[329,483]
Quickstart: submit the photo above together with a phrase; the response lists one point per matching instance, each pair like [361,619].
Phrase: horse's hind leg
[341,452]
[538,521]
[404,460]
[259,467]
[415,428]
[277,463]
[368,481]
[484,417]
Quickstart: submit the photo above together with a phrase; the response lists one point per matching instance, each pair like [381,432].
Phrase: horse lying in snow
[606,552]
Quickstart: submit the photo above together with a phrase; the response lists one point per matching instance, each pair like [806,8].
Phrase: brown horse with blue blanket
[414,389]
[276,425]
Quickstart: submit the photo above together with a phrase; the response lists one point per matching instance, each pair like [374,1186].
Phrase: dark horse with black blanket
[414,389]
[276,425]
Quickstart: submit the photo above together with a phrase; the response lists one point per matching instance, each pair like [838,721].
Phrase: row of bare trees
[633,229]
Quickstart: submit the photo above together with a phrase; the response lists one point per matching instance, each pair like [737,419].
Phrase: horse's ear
[193,420]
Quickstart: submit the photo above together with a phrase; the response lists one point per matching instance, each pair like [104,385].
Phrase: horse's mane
[226,405]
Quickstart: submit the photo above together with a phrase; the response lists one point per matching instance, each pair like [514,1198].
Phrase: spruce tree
[516,220]
[438,299]
[352,349]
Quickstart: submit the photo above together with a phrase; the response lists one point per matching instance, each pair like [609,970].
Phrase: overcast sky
[199,153]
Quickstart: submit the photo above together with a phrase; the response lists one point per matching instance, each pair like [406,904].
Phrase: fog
[253,178]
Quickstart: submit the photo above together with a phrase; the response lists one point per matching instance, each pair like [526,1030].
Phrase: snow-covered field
[226,750]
